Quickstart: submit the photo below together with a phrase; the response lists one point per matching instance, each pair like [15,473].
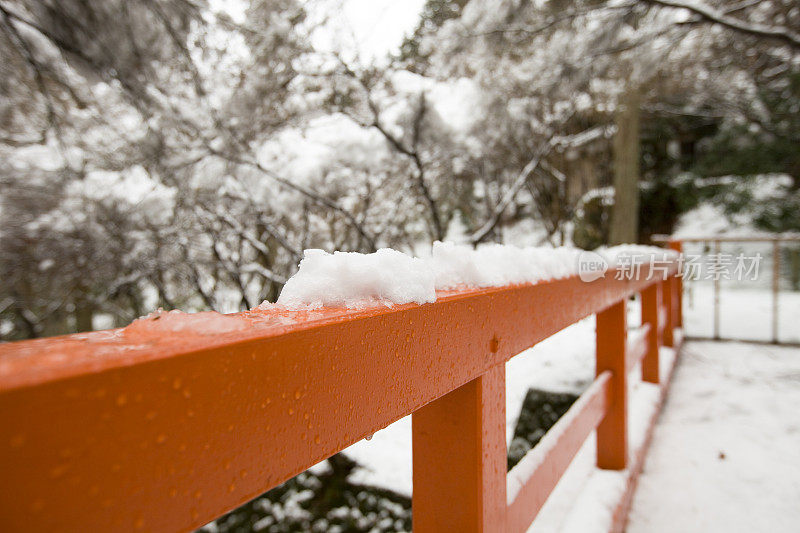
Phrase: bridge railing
[714,245]
[166,427]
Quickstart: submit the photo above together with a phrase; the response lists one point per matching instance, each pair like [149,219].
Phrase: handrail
[148,428]
[556,449]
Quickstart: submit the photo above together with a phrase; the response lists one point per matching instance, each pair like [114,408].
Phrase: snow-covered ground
[726,451]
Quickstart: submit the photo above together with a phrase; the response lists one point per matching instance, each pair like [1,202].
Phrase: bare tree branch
[484,231]
[553,21]
[437,226]
[751,28]
[316,198]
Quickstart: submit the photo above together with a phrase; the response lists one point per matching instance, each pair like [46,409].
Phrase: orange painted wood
[678,247]
[555,451]
[667,293]
[638,456]
[636,346]
[612,433]
[152,429]
[651,303]
[459,455]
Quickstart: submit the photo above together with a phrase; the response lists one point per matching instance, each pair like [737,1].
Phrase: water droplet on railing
[58,471]
[494,344]
[368,437]
[17,440]
[37,506]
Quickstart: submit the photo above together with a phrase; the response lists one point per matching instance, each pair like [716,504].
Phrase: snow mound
[495,265]
[388,277]
[624,253]
[354,280]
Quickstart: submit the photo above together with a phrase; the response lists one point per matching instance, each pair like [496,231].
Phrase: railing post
[651,303]
[668,300]
[612,433]
[717,289]
[459,457]
[678,247]
[776,286]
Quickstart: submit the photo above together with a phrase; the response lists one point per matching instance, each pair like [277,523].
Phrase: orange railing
[163,430]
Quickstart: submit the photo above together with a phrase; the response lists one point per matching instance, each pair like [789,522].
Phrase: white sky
[367,28]
[379,25]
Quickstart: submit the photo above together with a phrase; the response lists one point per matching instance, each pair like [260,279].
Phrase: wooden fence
[160,429]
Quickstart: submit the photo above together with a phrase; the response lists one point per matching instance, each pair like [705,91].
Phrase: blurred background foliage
[184,153]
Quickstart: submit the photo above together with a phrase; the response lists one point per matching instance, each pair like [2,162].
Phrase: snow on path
[726,451]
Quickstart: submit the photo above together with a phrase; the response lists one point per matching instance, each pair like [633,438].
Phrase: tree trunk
[84,312]
[625,213]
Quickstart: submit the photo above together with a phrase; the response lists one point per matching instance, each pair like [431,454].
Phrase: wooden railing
[165,429]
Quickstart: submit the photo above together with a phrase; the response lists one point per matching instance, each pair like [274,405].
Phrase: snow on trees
[187,155]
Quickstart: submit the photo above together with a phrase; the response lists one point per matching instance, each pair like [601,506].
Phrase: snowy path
[725,454]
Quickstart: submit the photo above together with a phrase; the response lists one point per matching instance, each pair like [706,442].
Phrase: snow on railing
[176,419]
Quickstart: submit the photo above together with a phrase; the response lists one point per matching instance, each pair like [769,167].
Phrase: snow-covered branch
[751,28]
[484,231]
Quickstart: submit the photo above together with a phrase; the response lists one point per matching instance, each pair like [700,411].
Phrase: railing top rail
[780,237]
[165,427]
